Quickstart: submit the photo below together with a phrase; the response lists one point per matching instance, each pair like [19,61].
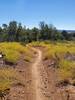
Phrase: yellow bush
[66,67]
[13,51]
[7,77]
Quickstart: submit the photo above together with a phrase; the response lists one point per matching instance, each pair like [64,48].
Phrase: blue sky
[60,13]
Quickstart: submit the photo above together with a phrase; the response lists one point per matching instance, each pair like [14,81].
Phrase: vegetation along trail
[38,80]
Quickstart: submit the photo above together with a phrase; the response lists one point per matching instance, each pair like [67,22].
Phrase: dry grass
[67,69]
[56,50]
[8,76]
[13,51]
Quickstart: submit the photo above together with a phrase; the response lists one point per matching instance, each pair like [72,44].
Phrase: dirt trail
[36,75]
[44,80]
[39,80]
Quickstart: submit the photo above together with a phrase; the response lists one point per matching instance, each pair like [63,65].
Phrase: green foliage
[16,32]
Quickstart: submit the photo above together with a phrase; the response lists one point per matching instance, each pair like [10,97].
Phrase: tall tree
[42,26]
[12,30]
[65,35]
[19,32]
[35,34]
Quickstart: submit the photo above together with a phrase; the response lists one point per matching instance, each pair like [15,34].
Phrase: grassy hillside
[64,56]
[12,51]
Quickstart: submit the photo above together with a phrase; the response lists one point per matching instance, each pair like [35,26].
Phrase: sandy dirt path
[36,75]
[40,78]
[44,80]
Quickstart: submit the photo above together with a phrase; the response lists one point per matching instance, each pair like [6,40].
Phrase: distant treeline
[16,32]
